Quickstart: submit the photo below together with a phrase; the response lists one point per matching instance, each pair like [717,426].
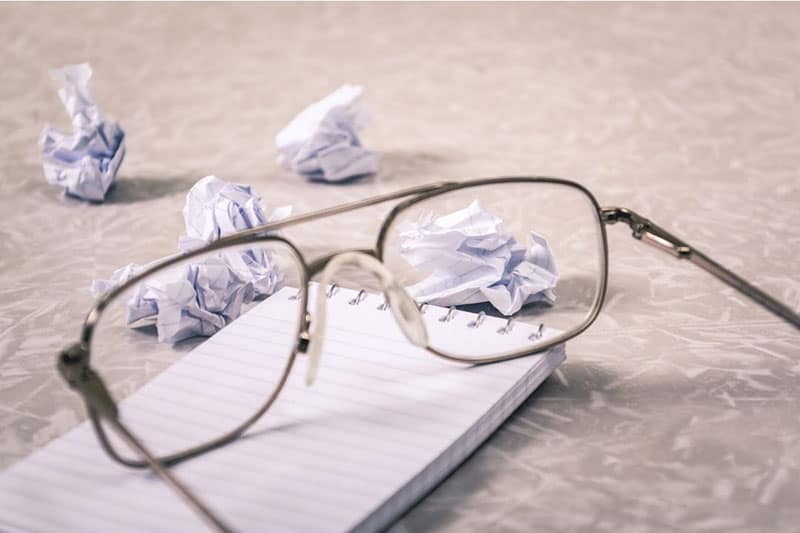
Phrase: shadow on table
[404,163]
[128,190]
[398,165]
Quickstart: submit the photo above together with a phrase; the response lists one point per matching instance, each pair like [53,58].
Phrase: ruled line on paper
[304,398]
[294,452]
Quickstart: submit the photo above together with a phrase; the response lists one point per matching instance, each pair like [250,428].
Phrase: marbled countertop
[677,410]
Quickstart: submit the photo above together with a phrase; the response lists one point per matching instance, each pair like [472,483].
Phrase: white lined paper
[382,425]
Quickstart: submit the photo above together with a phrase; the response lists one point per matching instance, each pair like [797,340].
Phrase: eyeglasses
[532,251]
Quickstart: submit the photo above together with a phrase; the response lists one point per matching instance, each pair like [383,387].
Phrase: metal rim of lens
[597,305]
[94,316]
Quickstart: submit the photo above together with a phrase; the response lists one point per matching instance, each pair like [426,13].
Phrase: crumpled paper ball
[215,208]
[469,259]
[203,296]
[322,144]
[197,299]
[85,162]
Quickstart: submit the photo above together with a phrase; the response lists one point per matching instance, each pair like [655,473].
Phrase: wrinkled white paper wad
[85,162]
[321,143]
[470,259]
[215,208]
[198,299]
[203,296]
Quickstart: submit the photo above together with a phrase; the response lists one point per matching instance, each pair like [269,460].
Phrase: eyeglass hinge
[73,364]
[612,215]
[646,231]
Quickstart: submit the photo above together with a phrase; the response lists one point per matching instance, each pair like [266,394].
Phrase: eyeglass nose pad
[403,307]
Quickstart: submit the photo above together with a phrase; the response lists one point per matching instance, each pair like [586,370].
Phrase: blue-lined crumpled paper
[322,144]
[215,208]
[197,299]
[201,297]
[85,161]
[101,286]
[470,259]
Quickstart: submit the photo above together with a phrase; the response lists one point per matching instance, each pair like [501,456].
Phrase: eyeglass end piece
[73,365]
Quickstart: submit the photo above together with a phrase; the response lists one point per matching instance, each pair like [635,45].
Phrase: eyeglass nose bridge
[402,306]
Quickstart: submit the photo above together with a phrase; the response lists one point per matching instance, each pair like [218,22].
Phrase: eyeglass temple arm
[656,236]
[73,364]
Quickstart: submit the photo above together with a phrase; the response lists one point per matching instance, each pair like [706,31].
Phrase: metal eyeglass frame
[74,362]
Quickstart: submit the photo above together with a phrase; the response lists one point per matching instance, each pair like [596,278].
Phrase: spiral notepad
[384,423]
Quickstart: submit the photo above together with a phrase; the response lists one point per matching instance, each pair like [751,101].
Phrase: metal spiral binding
[449,315]
[359,297]
[505,330]
[479,319]
[536,335]
[332,290]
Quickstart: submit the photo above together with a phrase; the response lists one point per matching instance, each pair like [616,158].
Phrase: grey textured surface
[678,410]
